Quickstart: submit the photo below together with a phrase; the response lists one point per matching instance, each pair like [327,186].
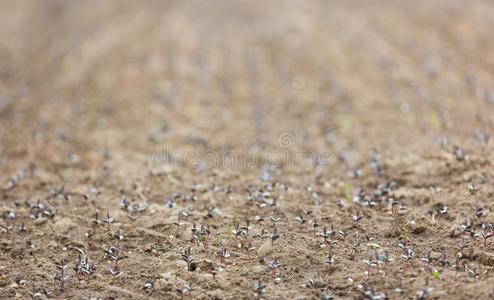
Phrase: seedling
[472,189]
[301,218]
[485,235]
[34,295]
[457,266]
[171,201]
[330,261]
[36,209]
[424,292]
[178,224]
[344,233]
[460,154]
[250,248]
[259,287]
[62,276]
[275,220]
[50,213]
[148,286]
[113,254]
[482,137]
[236,231]
[408,253]
[96,220]
[443,259]
[187,257]
[83,267]
[263,234]
[370,265]
[7,228]
[428,261]
[474,273]
[119,236]
[206,233]
[327,234]
[185,290]
[356,218]
[108,221]
[273,265]
[376,165]
[223,254]
[274,236]
[213,273]
[315,225]
[462,245]
[22,228]
[113,271]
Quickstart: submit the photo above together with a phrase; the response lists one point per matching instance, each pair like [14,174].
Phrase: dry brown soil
[92,93]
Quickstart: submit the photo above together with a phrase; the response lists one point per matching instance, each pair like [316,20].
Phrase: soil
[115,117]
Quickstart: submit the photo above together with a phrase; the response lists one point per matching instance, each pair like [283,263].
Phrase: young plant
[187,257]
[273,265]
[223,254]
[274,236]
[329,261]
[315,225]
[83,268]
[108,221]
[250,248]
[34,294]
[185,290]
[178,224]
[62,276]
[301,218]
[236,231]
[327,233]
[113,271]
[259,287]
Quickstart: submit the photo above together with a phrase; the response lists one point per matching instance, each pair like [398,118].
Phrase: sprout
[330,260]
[273,265]
[237,231]
[62,276]
[187,257]
[300,218]
[275,219]
[83,267]
[443,259]
[113,271]
[274,236]
[259,287]
[178,224]
[223,253]
[108,220]
[34,295]
[185,289]
[250,248]
[327,233]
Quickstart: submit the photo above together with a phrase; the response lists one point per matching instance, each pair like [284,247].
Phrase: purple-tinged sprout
[178,224]
[274,236]
[223,254]
[273,265]
[108,221]
[300,218]
[187,257]
[250,248]
[315,225]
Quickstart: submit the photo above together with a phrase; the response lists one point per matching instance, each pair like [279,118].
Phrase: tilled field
[246,149]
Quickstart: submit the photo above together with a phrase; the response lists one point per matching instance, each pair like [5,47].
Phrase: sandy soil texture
[246,149]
